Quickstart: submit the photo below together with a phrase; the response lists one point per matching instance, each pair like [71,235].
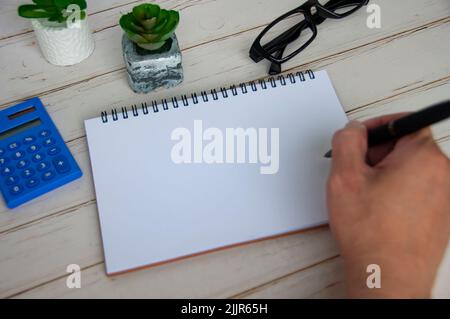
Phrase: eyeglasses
[291,33]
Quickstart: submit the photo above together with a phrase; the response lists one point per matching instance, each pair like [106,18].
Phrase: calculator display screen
[19,129]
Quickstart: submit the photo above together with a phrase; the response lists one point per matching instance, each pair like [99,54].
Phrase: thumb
[350,148]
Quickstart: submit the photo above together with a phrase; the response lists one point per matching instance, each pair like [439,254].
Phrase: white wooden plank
[87,249]
[358,75]
[28,74]
[219,274]
[410,102]
[308,283]
[336,291]
[9,254]
[368,85]
[39,251]
[82,191]
[109,12]
[326,280]
[11,24]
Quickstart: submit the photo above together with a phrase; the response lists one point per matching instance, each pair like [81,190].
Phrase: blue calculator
[33,157]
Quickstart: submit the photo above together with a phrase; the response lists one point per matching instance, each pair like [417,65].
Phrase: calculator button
[11,180]
[61,164]
[49,142]
[7,171]
[16,189]
[48,175]
[13,146]
[38,157]
[53,150]
[42,166]
[3,161]
[32,182]
[32,148]
[18,155]
[44,133]
[23,164]
[29,140]
[28,173]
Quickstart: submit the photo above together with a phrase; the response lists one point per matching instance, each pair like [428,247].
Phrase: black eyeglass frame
[259,52]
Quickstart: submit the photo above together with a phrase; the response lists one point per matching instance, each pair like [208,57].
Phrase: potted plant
[61,29]
[150,48]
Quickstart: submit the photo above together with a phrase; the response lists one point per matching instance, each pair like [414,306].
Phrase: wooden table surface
[405,65]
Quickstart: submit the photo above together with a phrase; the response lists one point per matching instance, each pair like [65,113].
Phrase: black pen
[406,125]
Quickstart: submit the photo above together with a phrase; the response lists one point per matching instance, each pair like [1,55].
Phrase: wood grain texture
[81,101]
[402,66]
[216,275]
[12,25]
[29,74]
[311,282]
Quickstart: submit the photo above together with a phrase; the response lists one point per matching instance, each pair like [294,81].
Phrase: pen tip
[329,154]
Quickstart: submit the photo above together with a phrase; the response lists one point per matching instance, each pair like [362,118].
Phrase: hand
[389,206]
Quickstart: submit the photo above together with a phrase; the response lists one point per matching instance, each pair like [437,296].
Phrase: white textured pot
[61,45]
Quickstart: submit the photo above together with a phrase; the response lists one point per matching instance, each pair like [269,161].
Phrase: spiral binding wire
[206,97]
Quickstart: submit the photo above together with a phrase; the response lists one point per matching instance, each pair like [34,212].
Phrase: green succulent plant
[52,10]
[149,26]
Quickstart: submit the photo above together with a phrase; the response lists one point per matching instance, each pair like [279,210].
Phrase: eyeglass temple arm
[275,68]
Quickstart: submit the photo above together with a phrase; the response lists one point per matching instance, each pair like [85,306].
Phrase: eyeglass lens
[298,35]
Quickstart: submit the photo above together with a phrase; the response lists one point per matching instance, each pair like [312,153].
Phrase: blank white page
[153,210]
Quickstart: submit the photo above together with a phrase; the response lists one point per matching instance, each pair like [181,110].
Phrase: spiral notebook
[212,169]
